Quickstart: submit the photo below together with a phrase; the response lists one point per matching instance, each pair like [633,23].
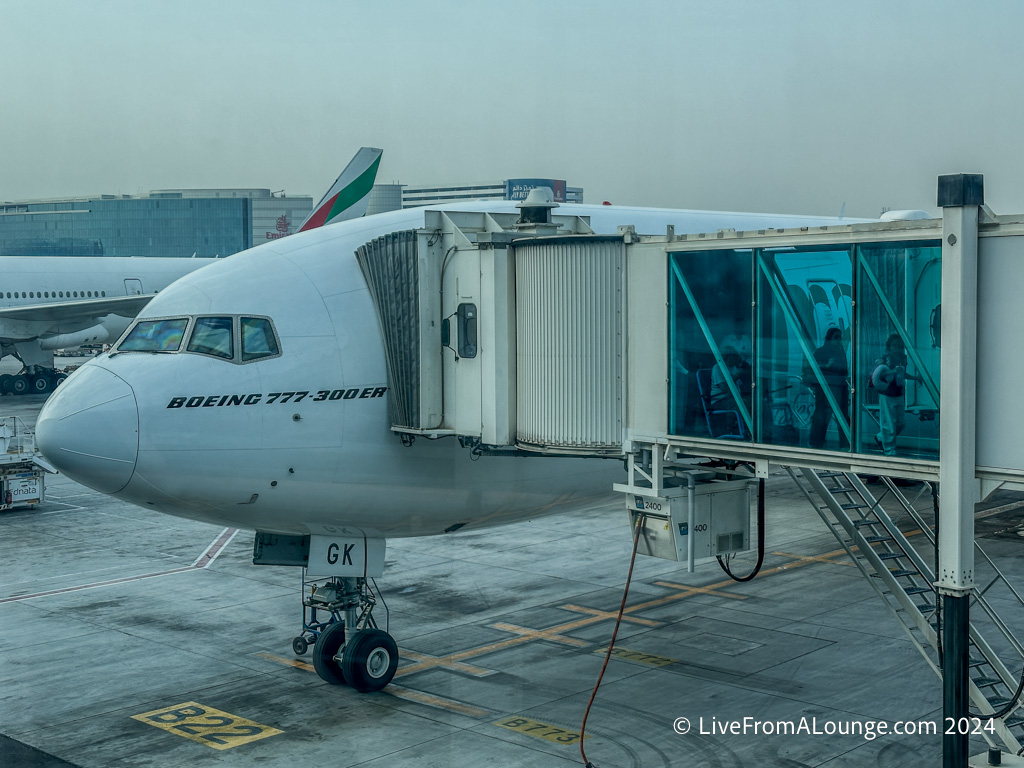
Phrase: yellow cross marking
[287,662]
[557,634]
[806,559]
[554,635]
[438,702]
[709,590]
[611,615]
[445,661]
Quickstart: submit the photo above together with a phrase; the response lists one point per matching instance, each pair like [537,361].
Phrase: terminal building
[393,197]
[166,222]
[210,222]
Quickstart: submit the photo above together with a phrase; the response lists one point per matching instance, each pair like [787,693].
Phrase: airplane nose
[89,429]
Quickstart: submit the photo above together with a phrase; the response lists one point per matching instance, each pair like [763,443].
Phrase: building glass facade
[169,223]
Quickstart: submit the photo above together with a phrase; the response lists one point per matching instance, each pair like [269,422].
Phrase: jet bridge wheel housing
[325,652]
[370,660]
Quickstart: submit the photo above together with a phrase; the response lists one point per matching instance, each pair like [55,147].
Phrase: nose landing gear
[349,647]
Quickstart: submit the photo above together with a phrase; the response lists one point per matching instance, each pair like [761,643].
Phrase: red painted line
[202,562]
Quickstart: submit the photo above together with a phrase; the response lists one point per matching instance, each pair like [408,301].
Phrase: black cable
[760,539]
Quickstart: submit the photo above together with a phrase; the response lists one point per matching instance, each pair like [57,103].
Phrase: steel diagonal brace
[722,367]
[805,348]
[908,345]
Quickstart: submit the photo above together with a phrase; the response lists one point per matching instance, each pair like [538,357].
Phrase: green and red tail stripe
[350,193]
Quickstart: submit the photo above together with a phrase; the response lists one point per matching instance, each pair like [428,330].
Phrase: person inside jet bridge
[889,378]
[831,360]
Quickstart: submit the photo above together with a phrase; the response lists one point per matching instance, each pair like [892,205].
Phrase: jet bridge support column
[959,196]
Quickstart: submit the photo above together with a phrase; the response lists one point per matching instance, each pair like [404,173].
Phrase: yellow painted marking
[469,669]
[206,725]
[829,558]
[612,615]
[709,590]
[680,592]
[538,730]
[650,659]
[423,662]
[541,634]
[439,702]
[402,692]
[288,662]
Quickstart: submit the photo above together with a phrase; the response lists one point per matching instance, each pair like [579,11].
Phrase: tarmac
[130,638]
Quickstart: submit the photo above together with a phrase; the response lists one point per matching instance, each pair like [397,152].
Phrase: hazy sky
[787,106]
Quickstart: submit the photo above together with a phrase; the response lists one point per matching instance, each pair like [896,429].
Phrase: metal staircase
[905,583]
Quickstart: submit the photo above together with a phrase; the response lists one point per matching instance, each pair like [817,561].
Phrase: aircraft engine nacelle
[97,334]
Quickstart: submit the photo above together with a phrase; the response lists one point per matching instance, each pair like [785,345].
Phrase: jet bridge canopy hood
[499,335]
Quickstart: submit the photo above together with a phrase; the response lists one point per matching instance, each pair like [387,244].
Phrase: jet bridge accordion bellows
[569,310]
[502,338]
[390,268]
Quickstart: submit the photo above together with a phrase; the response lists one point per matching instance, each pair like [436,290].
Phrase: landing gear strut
[349,648]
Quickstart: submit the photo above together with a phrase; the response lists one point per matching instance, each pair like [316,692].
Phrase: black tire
[19,385]
[6,382]
[370,660]
[41,384]
[300,645]
[59,379]
[326,648]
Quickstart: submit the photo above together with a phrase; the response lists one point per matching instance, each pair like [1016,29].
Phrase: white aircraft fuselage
[300,439]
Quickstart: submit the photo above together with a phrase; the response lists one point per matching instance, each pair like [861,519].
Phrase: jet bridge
[544,337]
[885,348]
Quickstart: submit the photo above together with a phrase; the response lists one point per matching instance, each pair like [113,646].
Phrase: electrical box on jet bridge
[719,523]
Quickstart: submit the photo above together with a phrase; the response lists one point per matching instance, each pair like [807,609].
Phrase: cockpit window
[155,336]
[258,339]
[212,336]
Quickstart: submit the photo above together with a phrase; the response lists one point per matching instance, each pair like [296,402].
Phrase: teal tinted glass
[900,292]
[710,347]
[805,314]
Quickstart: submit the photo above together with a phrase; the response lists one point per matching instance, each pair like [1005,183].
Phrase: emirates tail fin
[349,196]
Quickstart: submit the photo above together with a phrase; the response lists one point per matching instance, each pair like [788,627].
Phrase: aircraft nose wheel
[370,660]
[325,652]
[349,648]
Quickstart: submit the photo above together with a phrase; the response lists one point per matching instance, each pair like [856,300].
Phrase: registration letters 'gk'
[346,556]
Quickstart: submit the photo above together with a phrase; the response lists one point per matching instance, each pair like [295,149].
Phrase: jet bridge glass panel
[898,336]
[805,314]
[710,352]
[824,347]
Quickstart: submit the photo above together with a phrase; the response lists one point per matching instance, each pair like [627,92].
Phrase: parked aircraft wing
[64,311]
